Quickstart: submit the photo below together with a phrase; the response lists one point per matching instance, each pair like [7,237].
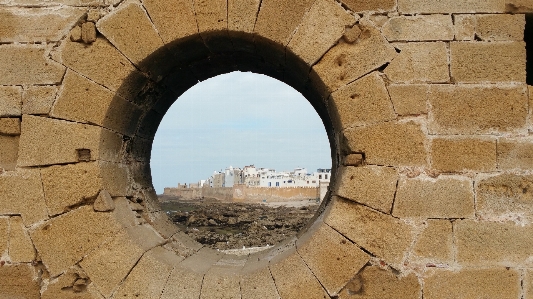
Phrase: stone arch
[431,185]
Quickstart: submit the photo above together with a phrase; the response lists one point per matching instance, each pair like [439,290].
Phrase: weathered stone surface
[183,283]
[222,280]
[149,276]
[115,178]
[28,64]
[444,197]
[458,154]
[38,99]
[10,101]
[173,19]
[9,147]
[104,202]
[493,243]
[391,143]
[419,28]
[515,153]
[39,3]
[46,141]
[73,284]
[375,283]
[419,62]
[18,281]
[113,70]
[372,186]
[452,6]
[500,27]
[84,101]
[465,27]
[504,194]
[21,193]
[364,101]
[242,15]
[4,235]
[345,62]
[528,284]
[384,236]
[473,283]
[20,245]
[258,285]
[518,6]
[477,109]
[88,32]
[10,126]
[409,99]
[472,62]
[370,5]
[344,258]
[435,243]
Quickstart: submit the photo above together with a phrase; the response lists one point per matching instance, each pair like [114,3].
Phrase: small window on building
[277,184]
[326,176]
[269,184]
[319,176]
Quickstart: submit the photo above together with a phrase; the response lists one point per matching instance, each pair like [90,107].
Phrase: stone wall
[425,104]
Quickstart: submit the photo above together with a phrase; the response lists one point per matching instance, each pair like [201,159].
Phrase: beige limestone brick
[458,154]
[19,281]
[528,284]
[259,285]
[515,153]
[364,101]
[373,186]
[66,186]
[419,62]
[477,109]
[10,126]
[384,236]
[465,27]
[242,15]
[500,27]
[38,99]
[46,141]
[10,101]
[113,70]
[493,243]
[332,258]
[419,28]
[391,143]
[451,6]
[212,17]
[444,197]
[149,276]
[4,236]
[473,283]
[104,202]
[376,283]
[36,24]
[20,245]
[73,284]
[9,148]
[21,193]
[435,243]
[472,62]
[84,101]
[370,5]
[504,194]
[409,99]
[183,283]
[518,6]
[347,62]
[173,19]
[222,280]
[28,64]
[115,178]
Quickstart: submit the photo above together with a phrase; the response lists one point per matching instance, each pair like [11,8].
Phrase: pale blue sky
[237,119]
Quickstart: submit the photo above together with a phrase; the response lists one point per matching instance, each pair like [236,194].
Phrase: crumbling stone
[75,34]
[351,34]
[88,32]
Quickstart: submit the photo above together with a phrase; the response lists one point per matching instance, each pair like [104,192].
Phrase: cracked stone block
[382,235]
[443,197]
[500,27]
[222,280]
[473,62]
[409,99]
[472,283]
[10,100]
[451,6]
[435,243]
[20,245]
[370,5]
[19,281]
[71,285]
[173,19]
[419,28]
[504,194]
[27,65]
[465,27]
[515,153]
[258,285]
[9,149]
[104,202]
[373,186]
[242,15]
[390,143]
[332,258]
[38,99]
[10,126]
[184,283]
[362,102]
[460,154]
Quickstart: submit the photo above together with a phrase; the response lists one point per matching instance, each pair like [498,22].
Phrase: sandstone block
[528,284]
[419,28]
[28,64]
[173,19]
[500,27]
[515,153]
[419,62]
[259,285]
[21,193]
[472,62]
[435,243]
[4,235]
[495,243]
[504,194]
[346,62]
[113,70]
[18,281]
[10,126]
[20,245]
[364,101]
[115,178]
[391,143]
[332,258]
[183,283]
[38,99]
[46,141]
[444,197]
[477,109]
[73,284]
[518,6]
[384,236]
[104,202]
[473,283]
[409,99]
[465,27]
[222,281]
[370,5]
[9,148]
[452,6]
[10,101]
[36,24]
[463,154]
[88,32]
[375,283]
[84,101]
[242,15]
[372,186]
